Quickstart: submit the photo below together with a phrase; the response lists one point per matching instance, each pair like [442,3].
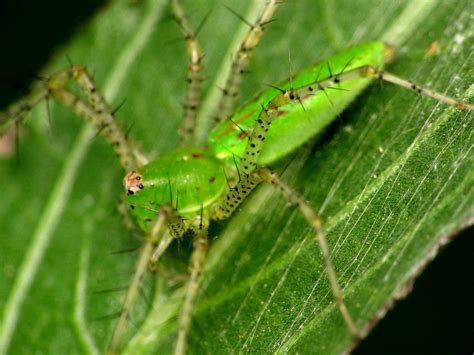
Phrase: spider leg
[237,194]
[194,79]
[158,232]
[235,197]
[241,62]
[198,257]
[96,111]
[313,219]
[250,175]
[248,161]
[177,229]
[371,71]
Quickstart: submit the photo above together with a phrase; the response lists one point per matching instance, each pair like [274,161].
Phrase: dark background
[436,318]
[29,32]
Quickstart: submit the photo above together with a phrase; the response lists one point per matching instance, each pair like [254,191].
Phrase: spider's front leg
[196,265]
[134,286]
[241,61]
[165,228]
[96,111]
[194,78]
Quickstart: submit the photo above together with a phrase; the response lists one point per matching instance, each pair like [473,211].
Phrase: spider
[137,193]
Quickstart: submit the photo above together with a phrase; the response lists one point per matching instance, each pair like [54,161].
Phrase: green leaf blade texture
[392,179]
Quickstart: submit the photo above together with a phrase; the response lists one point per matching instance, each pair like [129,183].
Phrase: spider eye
[131,182]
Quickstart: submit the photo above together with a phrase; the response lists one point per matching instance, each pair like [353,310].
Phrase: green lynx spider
[125,151]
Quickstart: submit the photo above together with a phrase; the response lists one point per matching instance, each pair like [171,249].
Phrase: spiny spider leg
[251,176]
[381,75]
[198,258]
[248,162]
[16,113]
[241,61]
[225,107]
[177,229]
[97,112]
[317,224]
[187,129]
[194,80]
[157,233]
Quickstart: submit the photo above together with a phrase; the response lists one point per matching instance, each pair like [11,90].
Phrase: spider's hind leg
[247,183]
[315,221]
[419,89]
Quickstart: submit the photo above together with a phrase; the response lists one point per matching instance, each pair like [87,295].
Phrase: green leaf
[392,178]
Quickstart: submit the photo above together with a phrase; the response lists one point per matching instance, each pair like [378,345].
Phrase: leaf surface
[392,178]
